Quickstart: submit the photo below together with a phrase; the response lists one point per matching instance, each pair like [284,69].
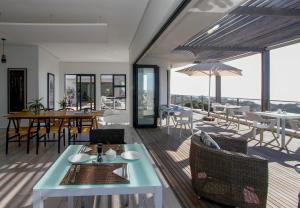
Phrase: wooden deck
[171,154]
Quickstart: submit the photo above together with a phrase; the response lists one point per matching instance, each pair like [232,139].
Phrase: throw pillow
[208,141]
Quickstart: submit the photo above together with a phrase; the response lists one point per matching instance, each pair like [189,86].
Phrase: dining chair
[14,133]
[240,113]
[37,129]
[56,127]
[219,111]
[184,118]
[295,125]
[263,125]
[107,136]
[77,127]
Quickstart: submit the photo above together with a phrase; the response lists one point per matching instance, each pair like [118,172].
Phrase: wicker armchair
[228,176]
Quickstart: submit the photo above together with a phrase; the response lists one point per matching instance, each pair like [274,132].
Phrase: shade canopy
[214,69]
[210,69]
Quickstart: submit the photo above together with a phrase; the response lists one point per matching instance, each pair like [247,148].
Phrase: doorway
[16,89]
[146,95]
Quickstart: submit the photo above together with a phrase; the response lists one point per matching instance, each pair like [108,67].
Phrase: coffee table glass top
[141,171]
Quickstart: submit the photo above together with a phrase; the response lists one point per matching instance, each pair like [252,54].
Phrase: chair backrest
[186,115]
[244,109]
[107,136]
[295,124]
[254,117]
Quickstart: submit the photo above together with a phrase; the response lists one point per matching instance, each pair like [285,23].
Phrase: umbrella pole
[208,107]
[208,118]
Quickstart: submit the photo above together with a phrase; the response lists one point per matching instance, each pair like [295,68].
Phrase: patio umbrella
[210,69]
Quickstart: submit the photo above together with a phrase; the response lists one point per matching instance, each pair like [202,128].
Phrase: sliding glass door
[146,95]
[80,91]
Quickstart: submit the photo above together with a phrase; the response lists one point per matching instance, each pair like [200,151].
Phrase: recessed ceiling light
[213,29]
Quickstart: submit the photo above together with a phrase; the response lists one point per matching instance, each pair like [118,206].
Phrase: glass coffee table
[142,176]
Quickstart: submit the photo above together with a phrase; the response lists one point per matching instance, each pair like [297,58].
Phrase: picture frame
[50,91]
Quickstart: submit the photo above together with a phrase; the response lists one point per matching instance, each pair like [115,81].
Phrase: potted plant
[36,106]
[63,103]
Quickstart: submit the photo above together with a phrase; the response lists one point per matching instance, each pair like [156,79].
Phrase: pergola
[256,26]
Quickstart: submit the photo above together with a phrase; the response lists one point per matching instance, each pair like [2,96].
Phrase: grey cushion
[207,140]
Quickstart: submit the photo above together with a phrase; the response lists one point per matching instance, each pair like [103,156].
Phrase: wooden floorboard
[171,152]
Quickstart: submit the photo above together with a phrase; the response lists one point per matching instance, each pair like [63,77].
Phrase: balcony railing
[200,102]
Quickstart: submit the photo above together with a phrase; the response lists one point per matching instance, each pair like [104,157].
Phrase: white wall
[98,68]
[19,57]
[48,63]
[156,14]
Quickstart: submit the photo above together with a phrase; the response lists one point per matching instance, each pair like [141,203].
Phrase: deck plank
[171,152]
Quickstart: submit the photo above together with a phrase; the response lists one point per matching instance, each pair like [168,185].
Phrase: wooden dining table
[54,114]
[14,119]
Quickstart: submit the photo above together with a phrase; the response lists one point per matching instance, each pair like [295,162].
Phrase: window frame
[116,86]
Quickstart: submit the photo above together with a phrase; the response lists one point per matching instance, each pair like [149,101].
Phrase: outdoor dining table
[169,111]
[142,179]
[280,116]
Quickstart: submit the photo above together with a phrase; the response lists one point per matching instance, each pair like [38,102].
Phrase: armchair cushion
[207,140]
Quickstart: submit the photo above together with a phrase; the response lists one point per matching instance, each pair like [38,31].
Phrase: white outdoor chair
[263,125]
[231,115]
[295,125]
[241,114]
[220,111]
[184,118]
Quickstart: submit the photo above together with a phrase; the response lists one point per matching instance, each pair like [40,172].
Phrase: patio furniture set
[263,121]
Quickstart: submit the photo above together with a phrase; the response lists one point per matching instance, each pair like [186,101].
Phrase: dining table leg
[278,127]
[160,118]
[37,200]
[168,123]
[283,133]
[141,200]
[158,198]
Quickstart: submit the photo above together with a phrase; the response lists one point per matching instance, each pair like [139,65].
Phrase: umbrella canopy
[210,69]
[206,69]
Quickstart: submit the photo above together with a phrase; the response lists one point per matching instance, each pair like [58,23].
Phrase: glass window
[113,91]
[80,91]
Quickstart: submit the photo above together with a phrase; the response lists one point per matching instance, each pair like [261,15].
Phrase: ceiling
[74,30]
[199,15]
[228,29]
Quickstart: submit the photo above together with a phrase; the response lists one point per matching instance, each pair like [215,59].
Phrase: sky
[284,77]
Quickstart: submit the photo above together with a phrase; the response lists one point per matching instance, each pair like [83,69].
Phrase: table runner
[102,173]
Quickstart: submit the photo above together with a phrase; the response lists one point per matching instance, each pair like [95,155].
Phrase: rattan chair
[228,176]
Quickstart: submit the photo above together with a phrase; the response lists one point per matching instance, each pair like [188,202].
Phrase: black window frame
[116,86]
[78,103]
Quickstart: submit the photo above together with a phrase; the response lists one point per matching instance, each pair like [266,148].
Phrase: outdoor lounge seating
[228,176]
